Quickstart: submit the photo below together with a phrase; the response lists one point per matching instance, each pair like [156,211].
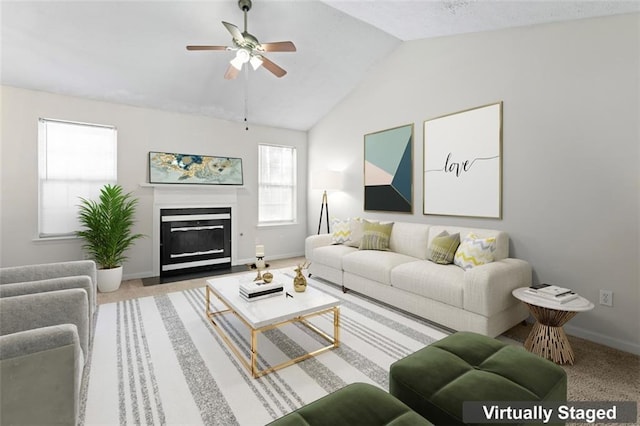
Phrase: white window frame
[43,176]
[262,186]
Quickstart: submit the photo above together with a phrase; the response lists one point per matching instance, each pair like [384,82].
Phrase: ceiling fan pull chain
[246,98]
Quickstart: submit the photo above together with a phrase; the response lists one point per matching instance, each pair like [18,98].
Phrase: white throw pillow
[356,225]
[341,230]
[475,251]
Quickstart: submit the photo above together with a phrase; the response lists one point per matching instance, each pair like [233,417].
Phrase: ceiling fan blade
[232,73]
[278,46]
[235,31]
[207,48]
[275,69]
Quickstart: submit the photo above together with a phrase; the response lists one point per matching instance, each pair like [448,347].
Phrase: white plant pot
[109,279]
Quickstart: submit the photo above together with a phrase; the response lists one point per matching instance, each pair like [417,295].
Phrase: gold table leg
[547,337]
[252,364]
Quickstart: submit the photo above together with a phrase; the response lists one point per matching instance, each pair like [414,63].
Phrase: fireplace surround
[167,197]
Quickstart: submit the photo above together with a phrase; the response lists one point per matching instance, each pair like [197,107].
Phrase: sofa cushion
[376,236]
[443,247]
[436,380]
[374,264]
[411,239]
[475,251]
[331,255]
[443,283]
[354,404]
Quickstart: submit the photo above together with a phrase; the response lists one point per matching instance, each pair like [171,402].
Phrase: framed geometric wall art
[388,170]
[463,163]
[165,167]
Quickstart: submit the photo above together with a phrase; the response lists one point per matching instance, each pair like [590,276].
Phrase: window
[276,184]
[74,160]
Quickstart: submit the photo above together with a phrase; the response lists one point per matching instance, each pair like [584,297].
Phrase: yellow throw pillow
[443,247]
[376,236]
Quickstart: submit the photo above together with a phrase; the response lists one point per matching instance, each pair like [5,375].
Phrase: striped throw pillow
[475,251]
[443,248]
[376,236]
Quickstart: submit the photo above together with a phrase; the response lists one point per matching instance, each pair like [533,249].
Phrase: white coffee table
[547,337]
[266,314]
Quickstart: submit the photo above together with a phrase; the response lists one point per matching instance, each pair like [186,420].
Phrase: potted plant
[107,232]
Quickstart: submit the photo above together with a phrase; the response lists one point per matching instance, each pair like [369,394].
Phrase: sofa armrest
[487,288]
[48,270]
[314,241]
[41,372]
[31,311]
[45,271]
[37,340]
[53,284]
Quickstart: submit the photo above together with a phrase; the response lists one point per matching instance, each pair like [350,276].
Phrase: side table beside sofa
[547,337]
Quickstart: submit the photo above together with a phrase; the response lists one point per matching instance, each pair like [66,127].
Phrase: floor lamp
[326,180]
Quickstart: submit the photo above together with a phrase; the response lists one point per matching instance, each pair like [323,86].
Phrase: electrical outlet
[606,297]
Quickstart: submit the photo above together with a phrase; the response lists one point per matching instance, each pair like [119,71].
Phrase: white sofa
[478,299]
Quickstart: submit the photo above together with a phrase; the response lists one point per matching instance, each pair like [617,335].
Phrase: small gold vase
[299,282]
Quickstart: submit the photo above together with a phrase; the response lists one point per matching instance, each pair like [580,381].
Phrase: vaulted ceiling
[133,52]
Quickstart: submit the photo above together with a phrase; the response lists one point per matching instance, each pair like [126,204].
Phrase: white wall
[139,131]
[570,155]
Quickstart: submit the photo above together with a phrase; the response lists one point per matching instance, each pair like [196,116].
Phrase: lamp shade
[327,180]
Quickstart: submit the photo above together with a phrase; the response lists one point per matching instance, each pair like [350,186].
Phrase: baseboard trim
[603,339]
[149,274]
[137,275]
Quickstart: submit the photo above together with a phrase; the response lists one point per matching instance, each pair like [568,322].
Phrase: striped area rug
[157,360]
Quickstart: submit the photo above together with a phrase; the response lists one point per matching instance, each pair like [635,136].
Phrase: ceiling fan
[249,49]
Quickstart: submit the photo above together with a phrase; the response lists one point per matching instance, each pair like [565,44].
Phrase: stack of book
[257,290]
[552,293]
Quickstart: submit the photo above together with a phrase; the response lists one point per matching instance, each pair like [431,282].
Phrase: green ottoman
[436,380]
[354,404]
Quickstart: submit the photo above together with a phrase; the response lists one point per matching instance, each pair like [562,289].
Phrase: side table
[547,338]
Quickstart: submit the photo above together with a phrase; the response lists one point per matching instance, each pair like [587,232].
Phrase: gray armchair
[45,332]
[18,280]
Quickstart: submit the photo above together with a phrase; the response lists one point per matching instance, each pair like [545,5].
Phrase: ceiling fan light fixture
[256,61]
[236,63]
[242,57]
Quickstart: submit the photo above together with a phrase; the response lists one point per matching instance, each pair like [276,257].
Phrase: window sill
[55,239]
[276,224]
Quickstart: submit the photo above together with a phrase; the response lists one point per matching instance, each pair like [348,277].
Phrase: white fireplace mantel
[168,196]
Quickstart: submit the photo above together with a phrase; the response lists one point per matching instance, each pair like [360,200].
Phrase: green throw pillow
[443,248]
[376,236]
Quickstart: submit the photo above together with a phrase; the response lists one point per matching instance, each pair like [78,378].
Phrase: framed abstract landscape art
[165,167]
[463,163]
[388,170]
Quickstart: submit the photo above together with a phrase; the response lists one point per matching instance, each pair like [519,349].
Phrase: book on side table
[553,293]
